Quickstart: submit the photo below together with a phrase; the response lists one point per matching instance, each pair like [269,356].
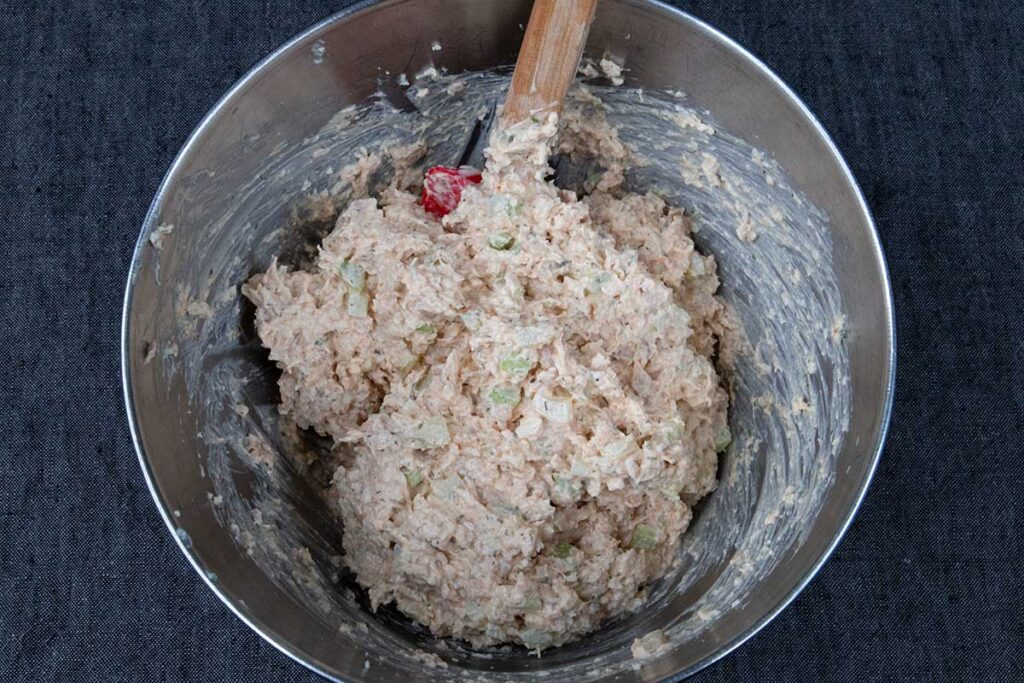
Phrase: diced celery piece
[431,433]
[579,469]
[358,304]
[597,282]
[504,395]
[645,537]
[678,316]
[564,550]
[516,365]
[696,265]
[515,287]
[567,488]
[403,360]
[671,491]
[426,328]
[502,509]
[412,477]
[423,383]
[535,639]
[448,488]
[505,204]
[353,273]
[474,611]
[674,430]
[723,437]
[533,603]
[501,241]
[471,319]
[417,610]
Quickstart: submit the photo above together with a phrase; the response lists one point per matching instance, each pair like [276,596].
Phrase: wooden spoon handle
[549,57]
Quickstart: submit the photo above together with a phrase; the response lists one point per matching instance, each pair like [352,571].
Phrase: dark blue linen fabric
[925,99]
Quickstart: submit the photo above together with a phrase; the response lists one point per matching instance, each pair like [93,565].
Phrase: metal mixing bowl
[290,97]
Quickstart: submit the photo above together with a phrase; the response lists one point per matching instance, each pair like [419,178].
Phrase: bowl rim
[253,74]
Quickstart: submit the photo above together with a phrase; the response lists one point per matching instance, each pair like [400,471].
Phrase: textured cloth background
[924,99]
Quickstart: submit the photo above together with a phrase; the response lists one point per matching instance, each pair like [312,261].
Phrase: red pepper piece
[442,188]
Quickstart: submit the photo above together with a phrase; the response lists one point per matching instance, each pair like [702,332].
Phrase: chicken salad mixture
[521,381]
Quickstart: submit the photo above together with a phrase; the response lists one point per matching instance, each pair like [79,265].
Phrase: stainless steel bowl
[290,97]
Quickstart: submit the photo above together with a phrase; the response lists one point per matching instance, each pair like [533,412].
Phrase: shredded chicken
[526,387]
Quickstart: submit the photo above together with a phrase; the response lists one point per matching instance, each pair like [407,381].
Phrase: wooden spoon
[548,58]
[547,64]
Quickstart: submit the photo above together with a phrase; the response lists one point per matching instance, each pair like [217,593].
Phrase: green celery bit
[501,241]
[412,477]
[567,487]
[535,639]
[504,396]
[723,437]
[358,304]
[471,319]
[564,550]
[645,537]
[515,365]
[353,273]
[431,433]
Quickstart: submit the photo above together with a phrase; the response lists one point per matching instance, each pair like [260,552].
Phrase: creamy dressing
[526,385]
